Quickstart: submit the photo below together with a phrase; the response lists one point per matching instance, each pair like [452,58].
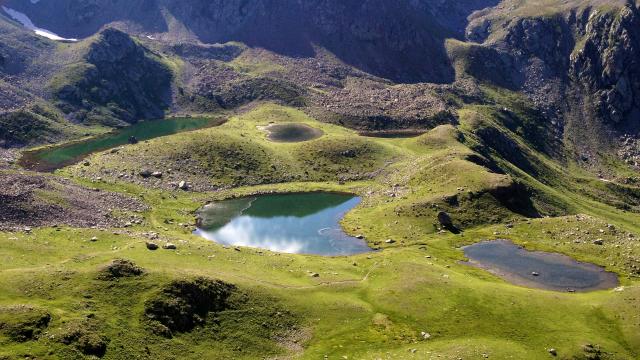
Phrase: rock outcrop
[606,64]
[120,81]
[579,66]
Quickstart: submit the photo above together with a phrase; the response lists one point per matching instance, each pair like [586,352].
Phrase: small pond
[307,223]
[393,134]
[56,157]
[538,269]
[291,132]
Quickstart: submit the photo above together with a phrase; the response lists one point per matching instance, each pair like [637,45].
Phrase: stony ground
[30,200]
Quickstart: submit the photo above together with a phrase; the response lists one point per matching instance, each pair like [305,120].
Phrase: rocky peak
[122,81]
[113,46]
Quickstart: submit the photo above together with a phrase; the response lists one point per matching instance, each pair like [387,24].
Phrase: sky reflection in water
[288,223]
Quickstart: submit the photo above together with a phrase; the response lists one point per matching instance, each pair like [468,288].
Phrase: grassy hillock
[37,124]
[238,153]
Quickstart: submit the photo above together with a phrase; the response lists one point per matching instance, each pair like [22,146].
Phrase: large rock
[445,220]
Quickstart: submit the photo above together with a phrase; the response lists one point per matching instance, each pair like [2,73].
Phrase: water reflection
[289,223]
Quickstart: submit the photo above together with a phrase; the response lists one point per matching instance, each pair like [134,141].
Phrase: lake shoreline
[537,277]
[34,159]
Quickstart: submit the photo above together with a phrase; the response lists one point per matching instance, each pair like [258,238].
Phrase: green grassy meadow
[369,306]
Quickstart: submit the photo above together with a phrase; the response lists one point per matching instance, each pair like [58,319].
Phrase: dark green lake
[307,223]
[538,269]
[56,157]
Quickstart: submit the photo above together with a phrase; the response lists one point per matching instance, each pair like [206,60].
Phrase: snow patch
[26,22]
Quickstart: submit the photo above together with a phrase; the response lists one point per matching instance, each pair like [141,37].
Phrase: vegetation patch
[85,336]
[22,322]
[120,268]
[185,304]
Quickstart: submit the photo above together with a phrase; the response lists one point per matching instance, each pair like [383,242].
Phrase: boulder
[445,220]
[145,173]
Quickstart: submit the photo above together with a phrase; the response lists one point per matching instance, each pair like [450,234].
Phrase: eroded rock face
[120,268]
[548,38]
[22,322]
[579,67]
[86,336]
[596,52]
[607,64]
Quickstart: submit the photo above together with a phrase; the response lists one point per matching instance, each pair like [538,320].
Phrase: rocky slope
[401,40]
[30,200]
[118,81]
[576,61]
[605,64]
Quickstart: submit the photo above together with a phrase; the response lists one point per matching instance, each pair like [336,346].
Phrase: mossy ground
[369,306]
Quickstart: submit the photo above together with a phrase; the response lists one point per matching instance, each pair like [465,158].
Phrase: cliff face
[384,38]
[606,65]
[579,65]
[120,81]
[401,40]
